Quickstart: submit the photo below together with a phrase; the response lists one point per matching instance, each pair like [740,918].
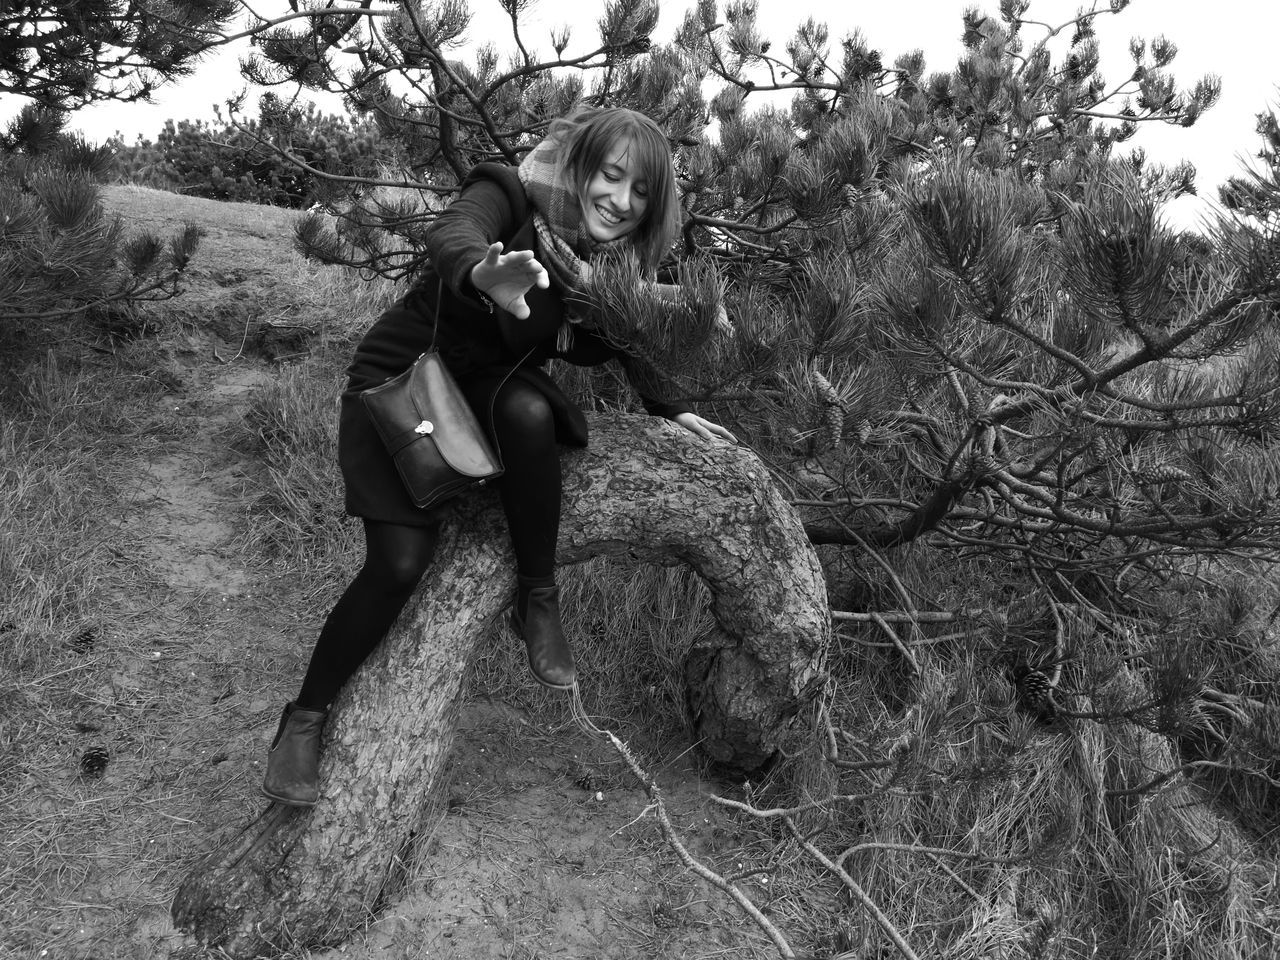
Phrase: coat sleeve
[658,395]
[458,240]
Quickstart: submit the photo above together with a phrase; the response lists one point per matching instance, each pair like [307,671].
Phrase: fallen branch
[908,616]
[856,890]
[659,808]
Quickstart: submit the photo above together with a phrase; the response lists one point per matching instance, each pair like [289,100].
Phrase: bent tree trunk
[646,489]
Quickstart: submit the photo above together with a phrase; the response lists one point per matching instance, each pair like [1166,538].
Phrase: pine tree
[63,55]
[61,255]
[1258,193]
[955,268]
[966,342]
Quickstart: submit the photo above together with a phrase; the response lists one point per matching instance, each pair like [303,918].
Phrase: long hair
[588,134]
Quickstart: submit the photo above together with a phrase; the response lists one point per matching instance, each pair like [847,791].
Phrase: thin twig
[773,812]
[908,616]
[668,831]
[922,641]
[897,642]
[858,893]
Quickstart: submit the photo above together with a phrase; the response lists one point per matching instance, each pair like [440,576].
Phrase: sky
[1234,39]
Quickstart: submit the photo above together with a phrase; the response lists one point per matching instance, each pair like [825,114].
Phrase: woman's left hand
[703,428]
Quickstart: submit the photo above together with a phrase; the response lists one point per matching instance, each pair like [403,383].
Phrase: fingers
[715,430]
[525,267]
[704,429]
[530,268]
[517,259]
[518,308]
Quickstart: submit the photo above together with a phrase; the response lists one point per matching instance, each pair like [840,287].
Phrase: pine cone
[1160,473]
[826,392]
[665,917]
[85,639]
[1101,449]
[1035,694]
[833,414]
[863,432]
[586,778]
[93,763]
[832,426]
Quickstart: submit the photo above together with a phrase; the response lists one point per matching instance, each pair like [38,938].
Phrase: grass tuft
[291,429]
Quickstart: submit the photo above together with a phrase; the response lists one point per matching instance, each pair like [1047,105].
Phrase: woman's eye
[611,178]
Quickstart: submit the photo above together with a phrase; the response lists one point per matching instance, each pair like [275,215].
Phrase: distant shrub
[224,162]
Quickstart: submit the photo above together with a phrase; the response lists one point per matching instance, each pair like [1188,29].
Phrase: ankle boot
[550,659]
[293,763]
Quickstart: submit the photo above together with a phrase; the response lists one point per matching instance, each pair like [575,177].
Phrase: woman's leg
[395,559]
[530,488]
[530,492]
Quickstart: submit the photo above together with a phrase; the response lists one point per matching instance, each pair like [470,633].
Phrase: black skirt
[374,490]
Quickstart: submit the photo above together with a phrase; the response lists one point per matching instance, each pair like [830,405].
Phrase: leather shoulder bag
[438,445]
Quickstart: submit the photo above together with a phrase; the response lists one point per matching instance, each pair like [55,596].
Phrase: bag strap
[435,322]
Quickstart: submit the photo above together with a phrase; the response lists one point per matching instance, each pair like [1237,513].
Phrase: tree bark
[646,489]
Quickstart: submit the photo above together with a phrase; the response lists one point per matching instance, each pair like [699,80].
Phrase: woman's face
[616,197]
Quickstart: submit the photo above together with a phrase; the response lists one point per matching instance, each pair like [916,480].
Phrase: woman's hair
[588,134]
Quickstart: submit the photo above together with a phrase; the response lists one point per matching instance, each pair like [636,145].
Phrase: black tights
[397,556]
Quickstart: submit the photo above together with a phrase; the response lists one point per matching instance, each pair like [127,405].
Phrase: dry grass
[292,432]
[63,555]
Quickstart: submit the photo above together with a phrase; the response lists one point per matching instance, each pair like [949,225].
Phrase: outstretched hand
[703,428]
[506,277]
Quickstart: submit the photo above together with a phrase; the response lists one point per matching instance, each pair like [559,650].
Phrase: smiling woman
[509,260]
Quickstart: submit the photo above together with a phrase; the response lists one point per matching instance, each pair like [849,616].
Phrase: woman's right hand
[506,277]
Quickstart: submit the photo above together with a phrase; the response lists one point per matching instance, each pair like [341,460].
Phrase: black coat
[482,344]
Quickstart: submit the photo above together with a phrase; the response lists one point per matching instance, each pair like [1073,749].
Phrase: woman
[505,256]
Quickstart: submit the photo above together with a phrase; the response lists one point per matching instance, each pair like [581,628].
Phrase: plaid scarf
[564,245]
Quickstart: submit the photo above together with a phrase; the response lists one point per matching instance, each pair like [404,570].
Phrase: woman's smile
[608,215]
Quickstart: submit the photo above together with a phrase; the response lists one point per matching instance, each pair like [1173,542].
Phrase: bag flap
[455,430]
[392,410]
